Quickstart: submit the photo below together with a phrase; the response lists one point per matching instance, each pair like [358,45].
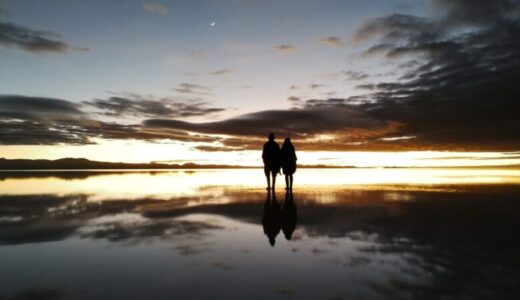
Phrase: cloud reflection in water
[394,241]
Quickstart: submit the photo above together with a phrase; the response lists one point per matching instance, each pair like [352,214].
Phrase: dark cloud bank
[35,41]
[458,91]
[32,40]
[47,121]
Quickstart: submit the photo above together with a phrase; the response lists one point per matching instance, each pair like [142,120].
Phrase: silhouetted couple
[276,218]
[275,158]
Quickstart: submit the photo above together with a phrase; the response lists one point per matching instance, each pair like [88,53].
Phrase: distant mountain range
[82,163]
[85,164]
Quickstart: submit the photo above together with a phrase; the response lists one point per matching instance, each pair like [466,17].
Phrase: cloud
[46,121]
[367,86]
[392,26]
[462,93]
[457,90]
[38,120]
[331,41]
[192,88]
[486,12]
[33,40]
[355,76]
[39,133]
[298,123]
[397,138]
[138,106]
[36,107]
[222,72]
[284,48]
[155,8]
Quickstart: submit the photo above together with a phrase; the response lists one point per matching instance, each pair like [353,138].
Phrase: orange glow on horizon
[179,153]
[212,184]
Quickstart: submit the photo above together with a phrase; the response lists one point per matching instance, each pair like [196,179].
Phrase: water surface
[197,234]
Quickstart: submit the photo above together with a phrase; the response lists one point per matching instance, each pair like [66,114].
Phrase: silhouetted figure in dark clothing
[289,216]
[272,218]
[288,157]
[271,158]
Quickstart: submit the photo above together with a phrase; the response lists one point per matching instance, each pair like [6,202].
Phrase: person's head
[271,136]
[287,140]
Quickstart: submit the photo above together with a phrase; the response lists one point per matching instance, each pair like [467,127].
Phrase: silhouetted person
[289,215]
[271,158]
[272,218]
[288,157]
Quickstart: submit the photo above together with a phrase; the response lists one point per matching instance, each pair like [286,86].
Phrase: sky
[365,83]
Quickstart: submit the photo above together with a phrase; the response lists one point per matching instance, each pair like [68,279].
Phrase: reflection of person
[271,158]
[289,215]
[271,219]
[288,157]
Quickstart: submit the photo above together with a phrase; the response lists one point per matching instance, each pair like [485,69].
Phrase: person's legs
[267,172]
[286,181]
[274,180]
[290,181]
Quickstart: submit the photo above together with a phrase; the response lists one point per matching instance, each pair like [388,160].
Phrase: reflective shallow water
[342,234]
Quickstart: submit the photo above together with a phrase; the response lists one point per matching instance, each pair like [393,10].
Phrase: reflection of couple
[274,158]
[278,218]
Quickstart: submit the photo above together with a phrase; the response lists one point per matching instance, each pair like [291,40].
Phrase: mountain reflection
[448,241]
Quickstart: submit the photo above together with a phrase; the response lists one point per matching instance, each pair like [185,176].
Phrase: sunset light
[259,149]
